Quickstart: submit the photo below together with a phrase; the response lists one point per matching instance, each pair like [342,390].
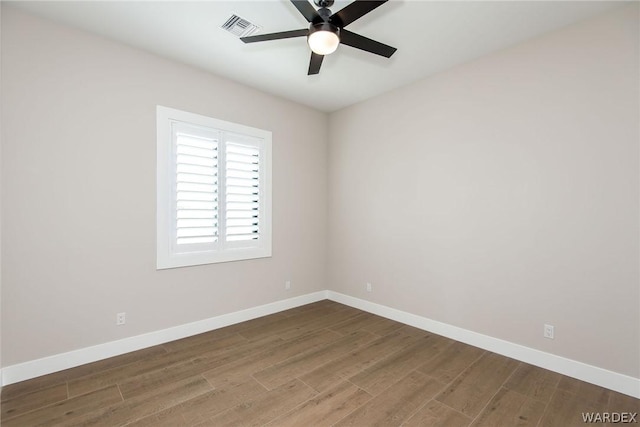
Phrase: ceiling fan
[326,30]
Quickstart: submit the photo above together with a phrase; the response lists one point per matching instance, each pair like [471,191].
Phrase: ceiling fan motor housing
[324,26]
[323,3]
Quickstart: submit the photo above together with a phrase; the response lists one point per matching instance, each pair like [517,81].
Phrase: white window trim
[166,257]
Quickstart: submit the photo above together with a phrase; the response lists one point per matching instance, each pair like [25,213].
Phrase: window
[213,190]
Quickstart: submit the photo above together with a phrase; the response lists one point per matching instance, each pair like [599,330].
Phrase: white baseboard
[571,368]
[58,362]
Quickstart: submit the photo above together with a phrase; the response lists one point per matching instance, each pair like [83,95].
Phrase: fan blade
[305,8]
[353,11]
[315,63]
[363,43]
[275,36]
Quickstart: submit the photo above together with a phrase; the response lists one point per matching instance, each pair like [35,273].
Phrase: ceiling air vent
[239,27]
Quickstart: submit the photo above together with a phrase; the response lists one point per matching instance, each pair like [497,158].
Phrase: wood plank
[170,417]
[533,382]
[321,322]
[587,391]
[220,333]
[282,372]
[14,390]
[67,410]
[382,326]
[451,362]
[566,409]
[201,344]
[435,413]
[265,407]
[376,378]
[396,404]
[29,401]
[134,409]
[203,339]
[623,403]
[116,361]
[148,381]
[326,408]
[248,324]
[355,323]
[473,389]
[259,360]
[510,408]
[414,332]
[349,364]
[127,372]
[300,320]
[205,406]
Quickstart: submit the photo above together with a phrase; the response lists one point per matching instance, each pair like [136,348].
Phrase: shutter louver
[196,189]
[242,192]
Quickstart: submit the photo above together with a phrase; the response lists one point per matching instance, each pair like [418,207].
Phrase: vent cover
[239,27]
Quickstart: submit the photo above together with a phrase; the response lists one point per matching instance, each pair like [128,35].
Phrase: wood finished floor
[321,364]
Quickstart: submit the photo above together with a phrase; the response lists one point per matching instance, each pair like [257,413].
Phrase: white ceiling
[431,36]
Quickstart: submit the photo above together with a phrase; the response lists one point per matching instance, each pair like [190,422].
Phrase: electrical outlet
[121,318]
[287,285]
[549,331]
[369,288]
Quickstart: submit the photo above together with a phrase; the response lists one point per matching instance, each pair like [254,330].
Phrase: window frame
[222,251]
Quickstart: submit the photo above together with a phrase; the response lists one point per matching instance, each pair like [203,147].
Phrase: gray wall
[78,189]
[502,194]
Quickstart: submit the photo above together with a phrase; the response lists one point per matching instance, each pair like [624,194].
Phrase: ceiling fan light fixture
[323,38]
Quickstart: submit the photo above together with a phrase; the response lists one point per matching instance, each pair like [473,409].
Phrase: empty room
[319,213]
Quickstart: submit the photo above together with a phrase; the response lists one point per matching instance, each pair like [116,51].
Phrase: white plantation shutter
[196,186]
[242,172]
[213,190]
